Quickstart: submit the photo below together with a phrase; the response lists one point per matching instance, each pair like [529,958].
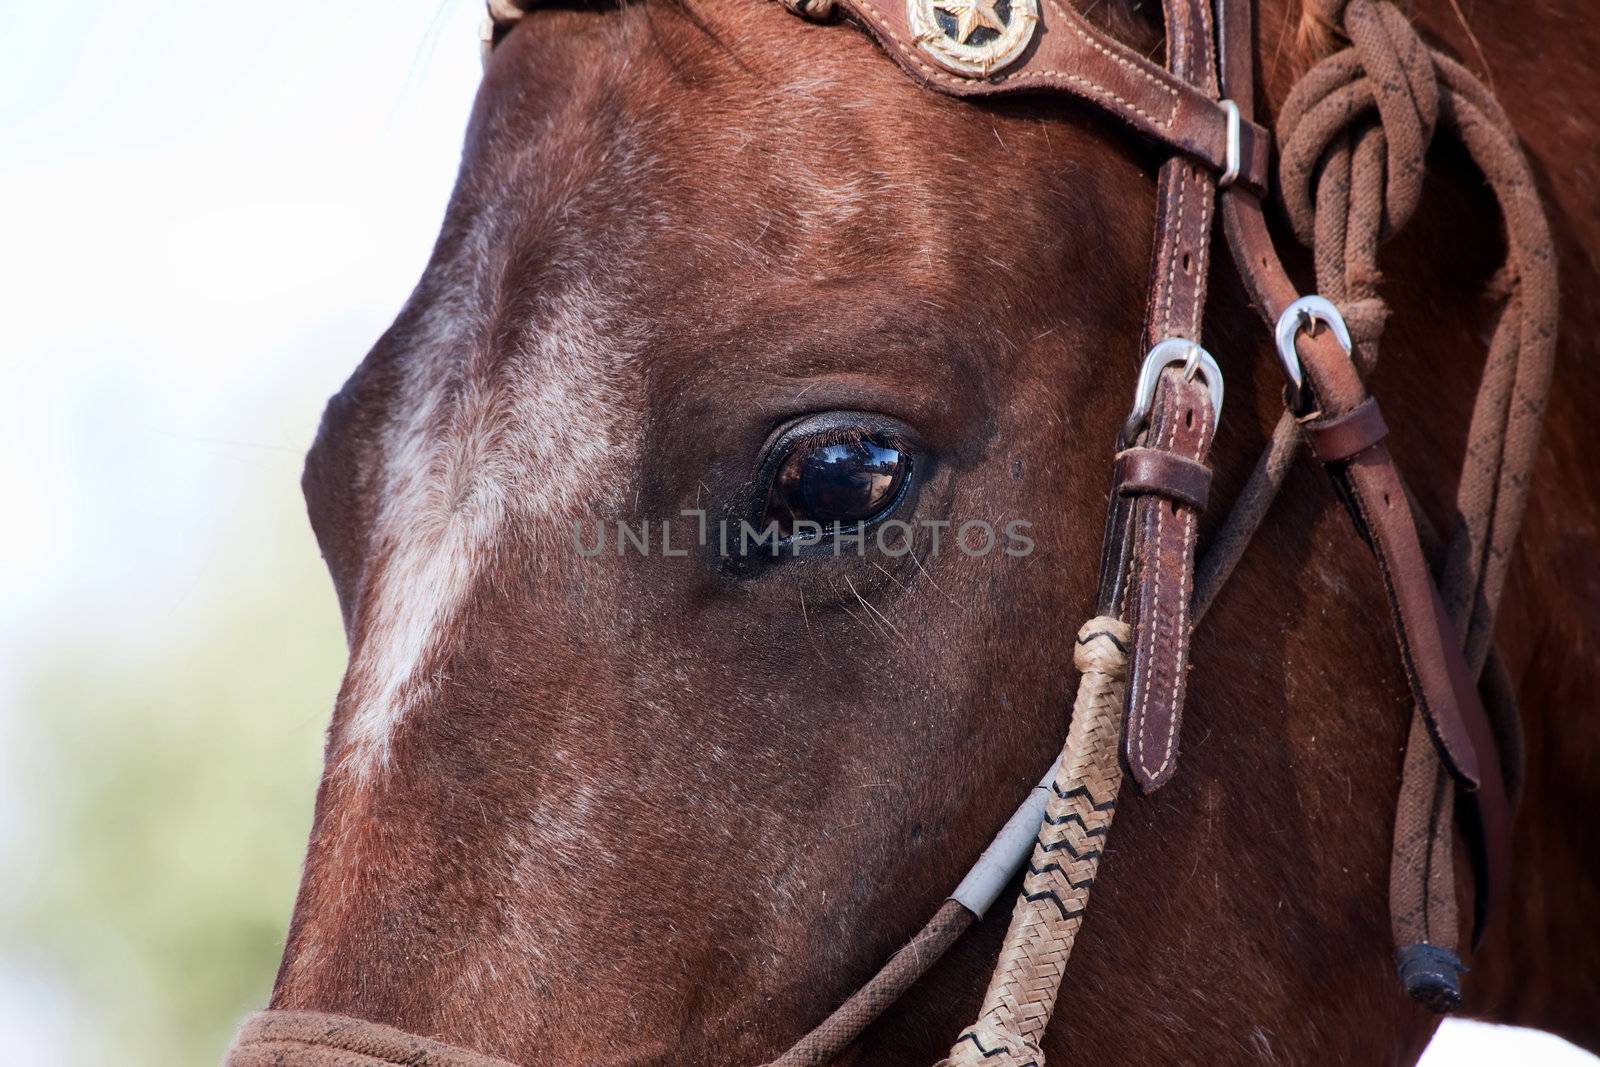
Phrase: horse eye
[845,478]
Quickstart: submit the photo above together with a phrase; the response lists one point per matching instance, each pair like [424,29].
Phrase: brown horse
[671,807]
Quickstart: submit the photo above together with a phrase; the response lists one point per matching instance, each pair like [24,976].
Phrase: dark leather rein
[1379,99]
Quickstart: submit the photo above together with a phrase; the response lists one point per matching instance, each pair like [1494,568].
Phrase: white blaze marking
[543,440]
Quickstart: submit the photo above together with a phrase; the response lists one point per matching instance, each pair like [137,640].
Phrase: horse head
[711,531]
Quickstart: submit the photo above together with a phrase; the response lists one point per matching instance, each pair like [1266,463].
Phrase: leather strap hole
[1188,263]
[1188,419]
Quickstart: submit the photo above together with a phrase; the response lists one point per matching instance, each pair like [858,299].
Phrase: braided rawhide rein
[1077,813]
[1055,891]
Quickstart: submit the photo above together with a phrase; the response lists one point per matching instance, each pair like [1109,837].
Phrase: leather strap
[1187,194]
[1070,55]
[1334,440]
[1148,567]
[1163,532]
[1164,474]
[1371,486]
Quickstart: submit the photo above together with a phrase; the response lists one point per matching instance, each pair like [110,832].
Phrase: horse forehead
[484,449]
[743,125]
[519,413]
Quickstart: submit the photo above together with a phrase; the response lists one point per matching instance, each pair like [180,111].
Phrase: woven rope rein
[1355,132]
[1055,891]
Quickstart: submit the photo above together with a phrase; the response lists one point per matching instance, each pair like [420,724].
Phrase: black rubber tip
[1431,975]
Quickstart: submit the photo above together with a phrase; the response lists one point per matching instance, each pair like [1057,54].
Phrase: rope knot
[1102,647]
[986,1045]
[1382,90]
[1365,318]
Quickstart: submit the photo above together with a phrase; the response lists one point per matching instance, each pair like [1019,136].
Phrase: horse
[665,803]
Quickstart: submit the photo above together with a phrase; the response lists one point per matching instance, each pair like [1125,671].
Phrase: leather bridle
[1133,654]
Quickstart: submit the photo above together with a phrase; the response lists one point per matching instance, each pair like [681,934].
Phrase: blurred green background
[174,794]
[211,212]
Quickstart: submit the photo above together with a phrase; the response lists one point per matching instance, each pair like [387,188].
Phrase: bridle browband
[1352,137]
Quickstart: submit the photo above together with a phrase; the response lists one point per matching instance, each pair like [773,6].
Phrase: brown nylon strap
[1070,55]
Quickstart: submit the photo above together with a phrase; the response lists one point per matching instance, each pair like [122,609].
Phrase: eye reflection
[845,478]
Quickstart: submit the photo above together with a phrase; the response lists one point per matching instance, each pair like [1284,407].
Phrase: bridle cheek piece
[1389,91]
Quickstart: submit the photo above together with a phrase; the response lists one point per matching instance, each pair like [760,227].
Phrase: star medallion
[973,38]
[970,15]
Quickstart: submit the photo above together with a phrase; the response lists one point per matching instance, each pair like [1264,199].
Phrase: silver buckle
[1303,314]
[1163,355]
[1230,170]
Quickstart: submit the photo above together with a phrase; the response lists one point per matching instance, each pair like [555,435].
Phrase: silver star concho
[984,39]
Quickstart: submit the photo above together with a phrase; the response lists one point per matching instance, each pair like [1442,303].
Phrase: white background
[210,210]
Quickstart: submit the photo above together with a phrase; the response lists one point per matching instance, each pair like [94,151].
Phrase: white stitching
[1177,44]
[1073,24]
[1184,582]
[1185,575]
[1180,173]
[1147,621]
[1181,60]
[1202,264]
[1208,51]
